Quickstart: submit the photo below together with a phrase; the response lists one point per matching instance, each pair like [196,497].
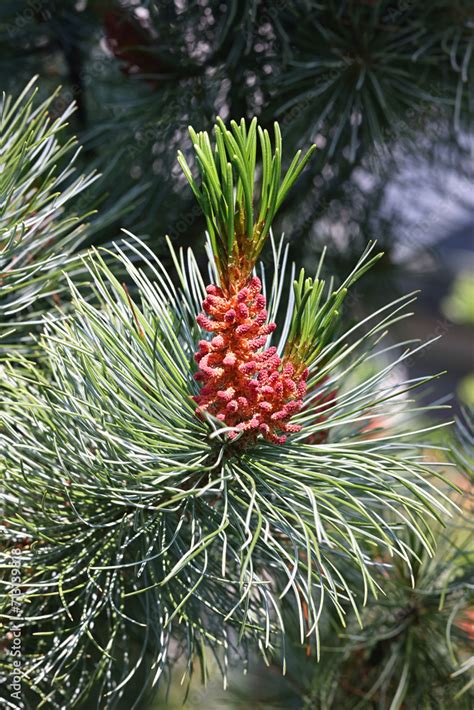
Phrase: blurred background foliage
[385,88]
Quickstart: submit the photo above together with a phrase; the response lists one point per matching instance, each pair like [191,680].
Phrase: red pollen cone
[243,384]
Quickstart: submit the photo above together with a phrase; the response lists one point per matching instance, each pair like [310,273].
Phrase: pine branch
[38,232]
[141,522]
[162,514]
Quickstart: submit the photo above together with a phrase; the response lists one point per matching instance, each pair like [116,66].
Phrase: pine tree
[164,520]
[201,469]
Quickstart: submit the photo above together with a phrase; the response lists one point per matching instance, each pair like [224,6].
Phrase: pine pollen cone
[245,385]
